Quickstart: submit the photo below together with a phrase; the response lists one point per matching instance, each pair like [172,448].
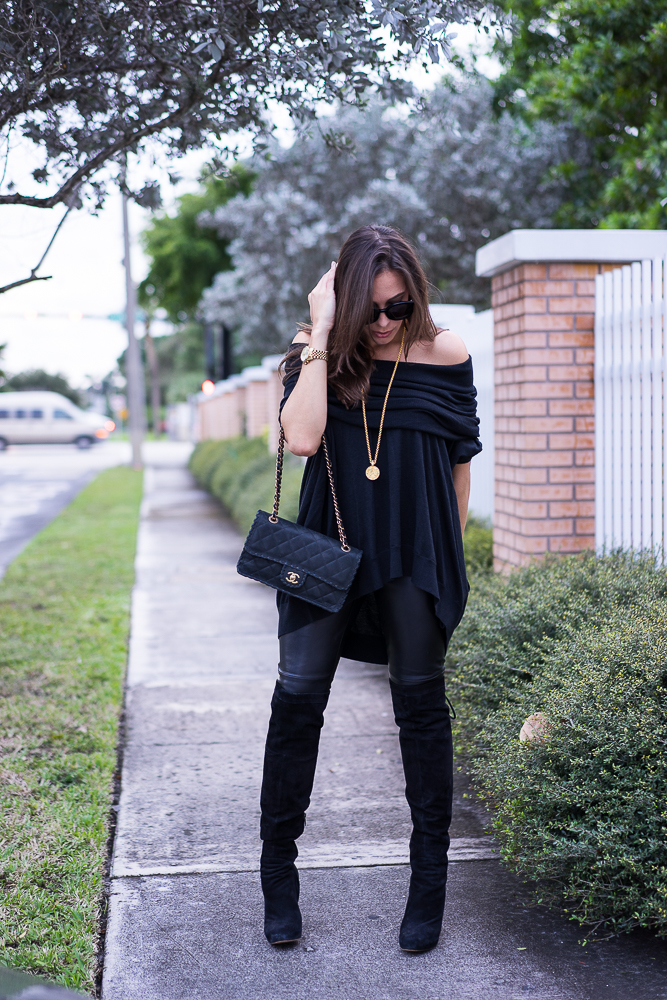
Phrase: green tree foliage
[450,175]
[600,65]
[184,254]
[36,378]
[86,82]
[181,366]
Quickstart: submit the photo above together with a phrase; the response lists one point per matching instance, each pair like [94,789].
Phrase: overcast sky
[62,325]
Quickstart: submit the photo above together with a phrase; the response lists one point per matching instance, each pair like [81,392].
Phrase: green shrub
[478,546]
[512,623]
[584,810]
[240,472]
[582,639]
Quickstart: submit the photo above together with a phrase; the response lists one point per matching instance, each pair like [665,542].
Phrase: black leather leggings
[309,656]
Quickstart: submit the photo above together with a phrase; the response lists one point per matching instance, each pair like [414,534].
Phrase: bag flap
[302,549]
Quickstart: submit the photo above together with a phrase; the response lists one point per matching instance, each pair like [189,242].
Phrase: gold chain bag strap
[295,559]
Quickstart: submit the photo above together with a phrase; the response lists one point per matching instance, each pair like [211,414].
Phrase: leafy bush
[583,640]
[513,623]
[584,809]
[240,472]
[478,546]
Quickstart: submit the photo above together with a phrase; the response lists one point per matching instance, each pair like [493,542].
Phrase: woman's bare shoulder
[447,349]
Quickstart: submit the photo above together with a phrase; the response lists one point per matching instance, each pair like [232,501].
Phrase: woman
[396,399]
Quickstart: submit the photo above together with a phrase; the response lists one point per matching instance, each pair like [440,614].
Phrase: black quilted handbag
[296,559]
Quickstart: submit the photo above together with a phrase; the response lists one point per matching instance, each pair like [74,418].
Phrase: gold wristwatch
[309,354]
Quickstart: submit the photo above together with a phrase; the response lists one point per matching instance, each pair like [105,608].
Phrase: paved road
[185,905]
[38,481]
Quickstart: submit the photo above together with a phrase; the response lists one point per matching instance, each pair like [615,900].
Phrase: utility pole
[136,395]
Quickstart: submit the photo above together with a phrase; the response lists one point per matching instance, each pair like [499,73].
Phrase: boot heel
[422,922]
[282,916]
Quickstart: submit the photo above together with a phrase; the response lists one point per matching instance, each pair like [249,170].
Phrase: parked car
[40,417]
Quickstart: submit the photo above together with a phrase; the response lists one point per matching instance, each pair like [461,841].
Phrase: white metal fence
[630,418]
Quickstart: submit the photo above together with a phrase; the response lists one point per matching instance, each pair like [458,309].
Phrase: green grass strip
[64,624]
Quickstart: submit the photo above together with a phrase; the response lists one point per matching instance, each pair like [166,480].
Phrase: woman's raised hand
[322,302]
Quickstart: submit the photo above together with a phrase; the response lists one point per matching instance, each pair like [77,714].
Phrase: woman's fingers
[322,300]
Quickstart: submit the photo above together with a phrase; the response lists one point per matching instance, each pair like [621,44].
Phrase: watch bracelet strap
[279,481]
[315,354]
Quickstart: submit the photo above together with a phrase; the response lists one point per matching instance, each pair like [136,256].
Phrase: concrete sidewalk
[185,908]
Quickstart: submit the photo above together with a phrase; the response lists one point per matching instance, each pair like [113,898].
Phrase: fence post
[543,295]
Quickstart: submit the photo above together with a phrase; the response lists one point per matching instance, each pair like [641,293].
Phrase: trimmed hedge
[240,472]
[513,623]
[585,809]
[478,547]
[583,640]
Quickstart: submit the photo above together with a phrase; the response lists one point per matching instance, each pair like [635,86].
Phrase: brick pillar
[544,311]
[544,425]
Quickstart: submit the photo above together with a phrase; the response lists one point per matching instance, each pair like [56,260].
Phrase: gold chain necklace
[372,472]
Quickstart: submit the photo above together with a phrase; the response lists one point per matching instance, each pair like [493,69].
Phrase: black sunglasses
[397,310]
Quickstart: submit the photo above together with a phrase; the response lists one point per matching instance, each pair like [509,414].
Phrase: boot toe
[419,937]
[288,930]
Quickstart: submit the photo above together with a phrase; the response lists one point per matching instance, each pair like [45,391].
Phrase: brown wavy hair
[370,251]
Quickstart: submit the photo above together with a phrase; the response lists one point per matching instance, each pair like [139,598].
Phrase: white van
[39,417]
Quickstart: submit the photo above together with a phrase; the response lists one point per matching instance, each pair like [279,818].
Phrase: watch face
[304,353]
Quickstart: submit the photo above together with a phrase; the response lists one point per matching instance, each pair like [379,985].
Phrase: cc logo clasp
[293,577]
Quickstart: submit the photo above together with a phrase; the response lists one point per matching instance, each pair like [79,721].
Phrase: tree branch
[96,162]
[33,272]
[24,281]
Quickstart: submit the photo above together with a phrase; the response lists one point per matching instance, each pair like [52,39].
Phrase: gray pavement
[185,914]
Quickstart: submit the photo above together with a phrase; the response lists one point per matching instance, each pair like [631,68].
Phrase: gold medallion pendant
[372,472]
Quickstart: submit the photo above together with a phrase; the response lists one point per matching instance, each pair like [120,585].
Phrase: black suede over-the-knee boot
[289,770]
[422,716]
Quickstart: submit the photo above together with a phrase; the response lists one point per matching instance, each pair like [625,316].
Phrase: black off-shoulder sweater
[407,521]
